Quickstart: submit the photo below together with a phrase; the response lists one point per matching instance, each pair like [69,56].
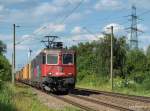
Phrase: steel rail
[101,103]
[112,94]
[73,103]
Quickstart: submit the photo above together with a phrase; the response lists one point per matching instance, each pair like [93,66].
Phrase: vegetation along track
[112,94]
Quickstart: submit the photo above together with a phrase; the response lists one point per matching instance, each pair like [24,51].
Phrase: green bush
[146,84]
[139,77]
[5,69]
[119,82]
[82,74]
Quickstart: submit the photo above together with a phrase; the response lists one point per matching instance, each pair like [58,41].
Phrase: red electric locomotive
[54,69]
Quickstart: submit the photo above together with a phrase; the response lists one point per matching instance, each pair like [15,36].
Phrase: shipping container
[25,73]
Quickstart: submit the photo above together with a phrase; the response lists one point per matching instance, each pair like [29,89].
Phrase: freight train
[53,69]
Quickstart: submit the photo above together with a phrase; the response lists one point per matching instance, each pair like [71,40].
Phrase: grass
[21,98]
[6,99]
[104,84]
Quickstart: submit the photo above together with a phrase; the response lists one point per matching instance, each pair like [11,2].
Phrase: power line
[43,27]
[90,32]
[143,13]
[74,9]
[33,35]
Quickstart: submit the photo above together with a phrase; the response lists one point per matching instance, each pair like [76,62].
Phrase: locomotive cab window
[52,59]
[67,58]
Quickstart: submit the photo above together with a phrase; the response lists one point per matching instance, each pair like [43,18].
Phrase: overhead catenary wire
[65,18]
[144,13]
[32,36]
[72,11]
[55,19]
[90,32]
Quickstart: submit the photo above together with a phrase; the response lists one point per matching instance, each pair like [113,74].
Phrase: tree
[2,47]
[5,67]
[136,61]
[95,56]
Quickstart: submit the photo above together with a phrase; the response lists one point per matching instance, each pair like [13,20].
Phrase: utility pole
[14,54]
[12,69]
[111,59]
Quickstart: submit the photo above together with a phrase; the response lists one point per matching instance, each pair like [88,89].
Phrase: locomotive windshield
[67,59]
[52,59]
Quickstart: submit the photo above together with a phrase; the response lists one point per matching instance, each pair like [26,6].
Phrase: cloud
[77,1]
[51,27]
[76,16]
[84,37]
[13,1]
[118,29]
[22,47]
[39,33]
[36,12]
[1,8]
[68,2]
[5,38]
[77,30]
[18,47]
[61,2]
[29,11]
[144,41]
[46,8]
[56,27]
[108,5]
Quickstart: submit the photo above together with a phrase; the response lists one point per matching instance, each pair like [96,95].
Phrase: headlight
[50,73]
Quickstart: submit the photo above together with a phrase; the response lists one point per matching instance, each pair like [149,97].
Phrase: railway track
[74,103]
[102,103]
[112,94]
[85,108]
[75,100]
[88,108]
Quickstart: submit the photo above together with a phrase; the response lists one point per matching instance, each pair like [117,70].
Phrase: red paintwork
[35,72]
[58,70]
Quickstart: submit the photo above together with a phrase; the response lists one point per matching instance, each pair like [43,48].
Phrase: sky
[73,21]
